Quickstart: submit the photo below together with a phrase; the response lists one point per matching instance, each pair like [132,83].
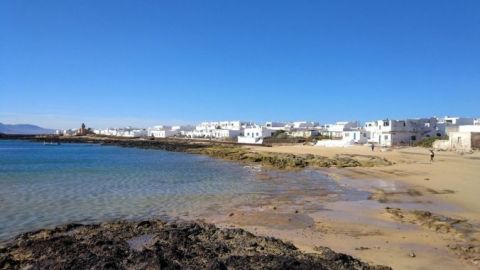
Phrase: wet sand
[446,188]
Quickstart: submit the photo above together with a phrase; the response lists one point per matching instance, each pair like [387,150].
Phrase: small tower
[83,130]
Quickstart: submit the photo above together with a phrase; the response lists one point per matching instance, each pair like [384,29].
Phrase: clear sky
[141,62]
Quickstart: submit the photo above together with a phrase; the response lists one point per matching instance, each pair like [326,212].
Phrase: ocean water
[45,186]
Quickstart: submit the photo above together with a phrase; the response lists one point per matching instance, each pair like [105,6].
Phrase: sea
[43,186]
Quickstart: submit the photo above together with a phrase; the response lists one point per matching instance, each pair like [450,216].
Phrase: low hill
[24,129]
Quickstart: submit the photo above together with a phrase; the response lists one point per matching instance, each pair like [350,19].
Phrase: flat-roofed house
[400,132]
[255,135]
[464,138]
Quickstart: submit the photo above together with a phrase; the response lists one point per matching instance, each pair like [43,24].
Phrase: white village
[448,133]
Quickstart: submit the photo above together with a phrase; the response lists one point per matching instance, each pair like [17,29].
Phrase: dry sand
[449,171]
[448,187]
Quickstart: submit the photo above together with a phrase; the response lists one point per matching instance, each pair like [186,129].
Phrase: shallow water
[44,186]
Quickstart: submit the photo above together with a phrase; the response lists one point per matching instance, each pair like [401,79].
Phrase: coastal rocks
[439,223]
[159,245]
[288,161]
[459,231]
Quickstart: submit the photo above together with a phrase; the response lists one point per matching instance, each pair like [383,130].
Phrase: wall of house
[162,133]
[258,132]
[250,140]
[443,145]
[356,136]
[334,143]
[303,133]
[460,141]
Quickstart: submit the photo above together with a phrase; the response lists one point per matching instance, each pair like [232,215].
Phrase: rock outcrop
[160,245]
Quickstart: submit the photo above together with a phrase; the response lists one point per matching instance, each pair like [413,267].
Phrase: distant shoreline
[222,149]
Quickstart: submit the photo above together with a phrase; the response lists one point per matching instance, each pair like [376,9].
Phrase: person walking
[432,155]
[373,147]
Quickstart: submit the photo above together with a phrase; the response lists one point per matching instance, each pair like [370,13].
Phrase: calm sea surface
[44,186]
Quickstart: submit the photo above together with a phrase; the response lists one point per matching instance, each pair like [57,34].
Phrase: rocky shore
[459,232]
[157,244]
[233,152]
[290,161]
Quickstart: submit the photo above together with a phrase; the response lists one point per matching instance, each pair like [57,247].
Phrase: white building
[464,138]
[336,130]
[301,125]
[255,135]
[444,124]
[275,125]
[348,138]
[66,132]
[224,133]
[400,132]
[218,129]
[161,133]
[303,133]
[133,133]
[358,136]
[122,132]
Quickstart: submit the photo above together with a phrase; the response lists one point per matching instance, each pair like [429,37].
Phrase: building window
[386,137]
[386,123]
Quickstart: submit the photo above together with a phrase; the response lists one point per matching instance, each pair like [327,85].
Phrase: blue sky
[114,63]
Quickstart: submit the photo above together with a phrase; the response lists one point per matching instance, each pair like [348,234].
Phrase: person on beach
[373,147]
[432,155]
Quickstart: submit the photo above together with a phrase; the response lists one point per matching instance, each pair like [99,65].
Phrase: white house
[464,138]
[303,133]
[355,136]
[66,132]
[133,132]
[444,124]
[255,135]
[301,125]
[224,133]
[218,129]
[400,132]
[162,133]
[122,132]
[348,138]
[275,125]
[336,130]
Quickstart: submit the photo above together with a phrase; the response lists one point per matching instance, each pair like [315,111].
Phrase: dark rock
[159,245]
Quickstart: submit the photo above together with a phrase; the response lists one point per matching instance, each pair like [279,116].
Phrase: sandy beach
[421,214]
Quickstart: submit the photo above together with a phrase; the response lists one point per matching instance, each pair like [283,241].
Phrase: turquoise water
[44,186]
